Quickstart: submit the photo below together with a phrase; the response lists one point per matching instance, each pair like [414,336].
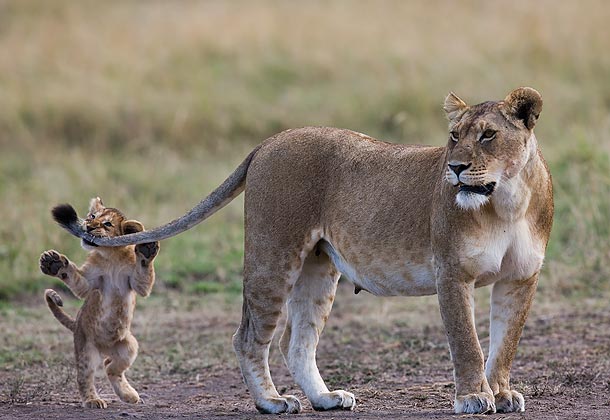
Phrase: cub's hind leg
[120,358]
[309,305]
[87,359]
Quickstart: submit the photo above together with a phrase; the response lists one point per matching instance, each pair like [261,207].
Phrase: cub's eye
[454,135]
[91,216]
[107,224]
[488,135]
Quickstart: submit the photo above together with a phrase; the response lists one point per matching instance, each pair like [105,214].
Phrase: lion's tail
[220,197]
[55,303]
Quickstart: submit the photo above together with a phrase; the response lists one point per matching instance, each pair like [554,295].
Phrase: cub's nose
[459,168]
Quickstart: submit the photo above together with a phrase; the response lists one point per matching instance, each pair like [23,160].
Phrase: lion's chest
[502,251]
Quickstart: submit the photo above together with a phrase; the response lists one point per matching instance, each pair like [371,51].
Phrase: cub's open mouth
[87,238]
[485,190]
[86,242]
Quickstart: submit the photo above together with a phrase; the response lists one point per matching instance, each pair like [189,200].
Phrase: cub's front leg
[147,253]
[144,276]
[54,264]
[473,394]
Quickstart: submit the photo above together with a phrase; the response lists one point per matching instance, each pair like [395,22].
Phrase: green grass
[151,105]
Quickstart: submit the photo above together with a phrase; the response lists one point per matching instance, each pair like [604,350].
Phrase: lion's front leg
[510,304]
[472,392]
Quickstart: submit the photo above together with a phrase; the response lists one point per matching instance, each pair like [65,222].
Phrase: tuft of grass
[578,251]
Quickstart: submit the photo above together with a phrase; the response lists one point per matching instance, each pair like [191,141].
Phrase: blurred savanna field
[151,104]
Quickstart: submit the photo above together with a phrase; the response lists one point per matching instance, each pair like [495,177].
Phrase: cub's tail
[55,303]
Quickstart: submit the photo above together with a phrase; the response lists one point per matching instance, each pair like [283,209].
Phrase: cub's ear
[131,226]
[454,106]
[524,104]
[96,205]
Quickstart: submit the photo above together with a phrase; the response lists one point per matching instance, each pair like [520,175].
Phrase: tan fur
[386,217]
[395,220]
[109,280]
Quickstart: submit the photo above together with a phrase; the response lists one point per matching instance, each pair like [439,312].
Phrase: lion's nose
[459,168]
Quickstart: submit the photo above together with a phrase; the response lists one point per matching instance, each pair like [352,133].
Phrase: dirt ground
[391,352]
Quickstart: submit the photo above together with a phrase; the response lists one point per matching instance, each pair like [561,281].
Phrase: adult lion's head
[489,143]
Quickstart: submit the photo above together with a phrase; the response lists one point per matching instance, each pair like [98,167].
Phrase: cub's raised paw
[95,403]
[148,250]
[51,262]
[479,403]
[509,402]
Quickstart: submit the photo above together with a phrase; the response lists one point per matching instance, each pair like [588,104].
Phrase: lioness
[395,220]
[109,280]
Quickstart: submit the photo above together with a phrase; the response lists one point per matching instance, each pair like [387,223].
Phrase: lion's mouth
[485,190]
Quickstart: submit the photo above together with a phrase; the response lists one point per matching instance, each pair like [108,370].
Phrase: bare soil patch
[392,353]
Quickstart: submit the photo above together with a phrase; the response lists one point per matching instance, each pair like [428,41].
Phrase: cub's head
[107,222]
[489,143]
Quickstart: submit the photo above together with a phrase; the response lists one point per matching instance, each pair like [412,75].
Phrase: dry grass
[150,104]
[392,353]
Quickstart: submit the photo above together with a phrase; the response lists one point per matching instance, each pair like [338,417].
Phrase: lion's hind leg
[309,305]
[265,292]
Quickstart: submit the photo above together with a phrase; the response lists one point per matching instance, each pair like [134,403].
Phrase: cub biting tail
[109,280]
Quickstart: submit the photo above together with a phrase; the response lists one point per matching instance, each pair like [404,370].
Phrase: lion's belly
[402,277]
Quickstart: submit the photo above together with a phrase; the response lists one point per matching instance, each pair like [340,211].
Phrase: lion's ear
[454,106]
[131,226]
[96,205]
[524,104]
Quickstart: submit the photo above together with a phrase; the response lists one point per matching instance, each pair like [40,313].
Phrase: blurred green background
[150,104]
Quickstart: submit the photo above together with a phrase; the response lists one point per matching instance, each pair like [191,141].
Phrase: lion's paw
[509,402]
[285,404]
[336,400]
[95,403]
[479,403]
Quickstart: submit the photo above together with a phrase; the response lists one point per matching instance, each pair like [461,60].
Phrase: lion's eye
[488,135]
[107,224]
[454,135]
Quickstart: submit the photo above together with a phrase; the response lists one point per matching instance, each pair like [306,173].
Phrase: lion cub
[109,280]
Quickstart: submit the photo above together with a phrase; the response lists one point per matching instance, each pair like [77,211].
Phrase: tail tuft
[65,215]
